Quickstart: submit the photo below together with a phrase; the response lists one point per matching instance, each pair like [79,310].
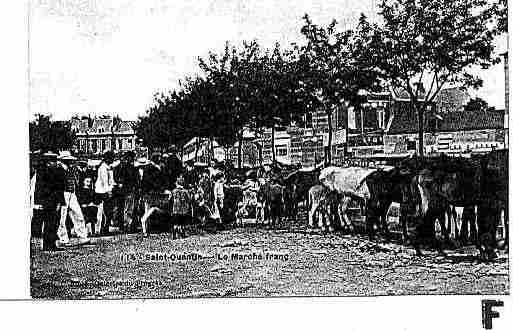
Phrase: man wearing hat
[71,205]
[47,197]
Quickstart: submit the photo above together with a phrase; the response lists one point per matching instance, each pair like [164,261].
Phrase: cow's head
[487,243]
[452,186]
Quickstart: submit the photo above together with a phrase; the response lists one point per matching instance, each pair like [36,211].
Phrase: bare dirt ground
[256,262]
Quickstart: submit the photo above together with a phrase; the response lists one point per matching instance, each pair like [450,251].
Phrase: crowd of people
[73,198]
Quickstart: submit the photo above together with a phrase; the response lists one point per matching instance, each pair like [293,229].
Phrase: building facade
[454,133]
[94,136]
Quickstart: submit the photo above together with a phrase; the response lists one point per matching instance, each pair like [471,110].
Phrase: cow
[297,185]
[347,184]
[494,199]
[318,206]
[273,202]
[232,197]
[469,184]
[384,188]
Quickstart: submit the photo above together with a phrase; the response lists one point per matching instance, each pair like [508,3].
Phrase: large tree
[278,98]
[477,104]
[334,74]
[45,134]
[232,72]
[166,122]
[428,44]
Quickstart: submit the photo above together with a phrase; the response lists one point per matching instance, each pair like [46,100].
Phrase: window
[411,145]
[381,118]
[308,120]
[281,151]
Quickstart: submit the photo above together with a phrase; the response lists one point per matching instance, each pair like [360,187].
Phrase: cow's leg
[470,219]
[473,229]
[384,221]
[404,226]
[458,222]
[373,213]
[320,216]
[340,214]
[332,213]
[311,213]
[464,229]
[444,221]
[448,221]
[487,228]
[344,219]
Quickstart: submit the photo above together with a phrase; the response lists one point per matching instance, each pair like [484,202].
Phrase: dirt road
[256,262]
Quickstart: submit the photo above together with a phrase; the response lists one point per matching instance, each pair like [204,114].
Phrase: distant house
[367,124]
[451,133]
[99,134]
[451,99]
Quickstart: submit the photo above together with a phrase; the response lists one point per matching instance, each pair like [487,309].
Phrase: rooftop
[407,122]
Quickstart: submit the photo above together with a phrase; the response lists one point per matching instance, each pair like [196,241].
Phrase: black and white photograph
[268,149]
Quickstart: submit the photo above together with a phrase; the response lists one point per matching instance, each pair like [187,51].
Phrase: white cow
[349,184]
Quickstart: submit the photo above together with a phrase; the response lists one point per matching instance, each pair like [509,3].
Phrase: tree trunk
[330,138]
[197,149]
[211,147]
[87,143]
[273,146]
[239,150]
[420,114]
[260,155]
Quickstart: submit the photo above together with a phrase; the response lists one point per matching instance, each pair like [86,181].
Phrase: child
[181,208]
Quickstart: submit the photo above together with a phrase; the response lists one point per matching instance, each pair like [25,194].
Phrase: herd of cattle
[466,196]
[427,190]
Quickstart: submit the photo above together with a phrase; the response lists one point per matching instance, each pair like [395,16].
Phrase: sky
[111,56]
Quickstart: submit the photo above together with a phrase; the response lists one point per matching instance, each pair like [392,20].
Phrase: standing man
[48,197]
[71,206]
[219,196]
[188,174]
[103,190]
[126,177]
[174,167]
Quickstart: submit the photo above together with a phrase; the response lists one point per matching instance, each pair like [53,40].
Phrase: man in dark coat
[189,174]
[48,198]
[173,167]
[126,177]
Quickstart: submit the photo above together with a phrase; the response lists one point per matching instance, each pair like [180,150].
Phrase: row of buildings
[386,125]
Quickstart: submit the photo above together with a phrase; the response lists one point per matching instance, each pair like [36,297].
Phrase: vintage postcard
[208,149]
